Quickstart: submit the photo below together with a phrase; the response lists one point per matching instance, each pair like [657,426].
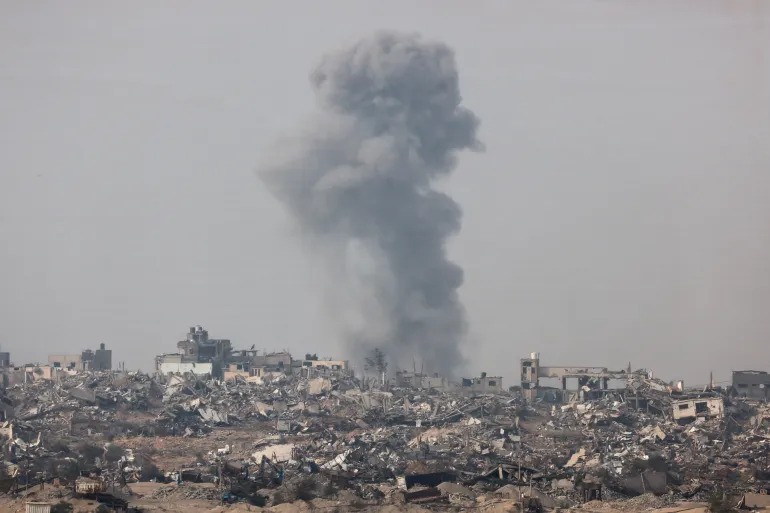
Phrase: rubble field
[336,443]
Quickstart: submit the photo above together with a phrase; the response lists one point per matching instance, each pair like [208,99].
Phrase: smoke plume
[358,181]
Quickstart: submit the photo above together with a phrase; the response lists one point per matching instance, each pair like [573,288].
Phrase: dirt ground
[175,452]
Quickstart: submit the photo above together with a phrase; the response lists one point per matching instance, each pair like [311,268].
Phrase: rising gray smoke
[358,181]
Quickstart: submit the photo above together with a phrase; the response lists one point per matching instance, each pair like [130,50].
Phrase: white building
[197,368]
[702,407]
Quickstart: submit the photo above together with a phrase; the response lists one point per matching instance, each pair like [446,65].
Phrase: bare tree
[376,362]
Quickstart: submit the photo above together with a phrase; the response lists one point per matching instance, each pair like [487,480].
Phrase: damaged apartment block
[592,382]
[751,384]
[203,356]
[637,388]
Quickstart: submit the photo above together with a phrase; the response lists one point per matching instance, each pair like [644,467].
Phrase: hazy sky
[620,211]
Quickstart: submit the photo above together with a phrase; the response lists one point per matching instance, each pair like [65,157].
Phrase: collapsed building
[332,433]
[417,438]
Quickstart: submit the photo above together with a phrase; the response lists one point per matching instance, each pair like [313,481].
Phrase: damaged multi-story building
[751,384]
[421,380]
[591,381]
[272,362]
[312,365]
[252,364]
[639,389]
[201,355]
[58,365]
[196,354]
[482,385]
[88,360]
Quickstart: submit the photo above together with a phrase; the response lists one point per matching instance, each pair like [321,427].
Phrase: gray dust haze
[358,181]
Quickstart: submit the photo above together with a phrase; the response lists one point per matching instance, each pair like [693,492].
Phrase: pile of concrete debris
[330,435]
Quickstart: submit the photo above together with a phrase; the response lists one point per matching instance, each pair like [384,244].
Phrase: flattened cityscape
[215,424]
